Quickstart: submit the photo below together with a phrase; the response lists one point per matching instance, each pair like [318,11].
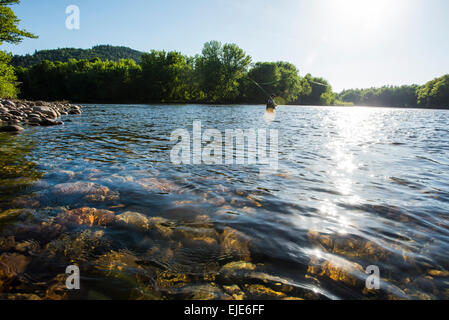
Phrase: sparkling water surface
[355,187]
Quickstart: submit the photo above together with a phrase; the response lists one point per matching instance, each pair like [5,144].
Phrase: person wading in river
[271,105]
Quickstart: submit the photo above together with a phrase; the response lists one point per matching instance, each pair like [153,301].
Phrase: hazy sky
[351,43]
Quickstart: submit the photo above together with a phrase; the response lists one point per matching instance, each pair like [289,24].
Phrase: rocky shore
[14,114]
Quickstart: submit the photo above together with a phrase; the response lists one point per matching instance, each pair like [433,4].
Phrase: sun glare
[367,14]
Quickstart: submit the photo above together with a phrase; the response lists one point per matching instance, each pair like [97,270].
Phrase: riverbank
[14,114]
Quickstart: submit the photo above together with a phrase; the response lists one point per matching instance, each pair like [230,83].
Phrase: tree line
[222,73]
[433,94]
[104,52]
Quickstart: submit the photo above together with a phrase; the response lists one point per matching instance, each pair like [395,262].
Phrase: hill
[104,52]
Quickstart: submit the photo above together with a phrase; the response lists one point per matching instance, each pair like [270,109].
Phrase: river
[354,190]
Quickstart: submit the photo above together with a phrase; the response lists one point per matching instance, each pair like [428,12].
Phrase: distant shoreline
[249,104]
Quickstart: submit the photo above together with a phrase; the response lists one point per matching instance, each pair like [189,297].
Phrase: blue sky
[351,43]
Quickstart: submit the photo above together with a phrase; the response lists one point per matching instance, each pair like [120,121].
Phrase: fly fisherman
[271,105]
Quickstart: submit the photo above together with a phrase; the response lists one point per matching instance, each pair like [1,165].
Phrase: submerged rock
[114,261]
[10,214]
[260,291]
[203,292]
[162,185]
[7,243]
[161,225]
[167,280]
[11,265]
[439,273]
[235,292]
[57,289]
[234,244]
[198,232]
[89,216]
[349,247]
[19,296]
[77,248]
[238,265]
[91,191]
[134,219]
[341,270]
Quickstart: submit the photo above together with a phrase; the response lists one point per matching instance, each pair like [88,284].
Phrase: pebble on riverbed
[14,113]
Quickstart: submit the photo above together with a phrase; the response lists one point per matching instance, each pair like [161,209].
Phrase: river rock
[161,225]
[234,244]
[90,191]
[11,128]
[12,264]
[260,291]
[7,243]
[75,110]
[134,219]
[50,122]
[20,296]
[339,270]
[89,216]
[235,292]
[203,292]
[16,113]
[166,280]
[238,265]
[50,113]
[8,104]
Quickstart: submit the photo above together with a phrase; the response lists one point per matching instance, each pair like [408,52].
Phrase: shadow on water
[17,172]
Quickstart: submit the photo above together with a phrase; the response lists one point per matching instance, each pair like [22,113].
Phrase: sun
[368,14]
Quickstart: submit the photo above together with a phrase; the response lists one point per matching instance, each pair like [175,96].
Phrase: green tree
[264,74]
[8,78]
[165,76]
[279,78]
[9,24]
[435,93]
[9,32]
[219,70]
[386,96]
[316,91]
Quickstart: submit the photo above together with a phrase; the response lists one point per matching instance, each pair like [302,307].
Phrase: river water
[355,189]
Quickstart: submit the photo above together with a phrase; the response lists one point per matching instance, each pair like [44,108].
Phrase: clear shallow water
[355,187]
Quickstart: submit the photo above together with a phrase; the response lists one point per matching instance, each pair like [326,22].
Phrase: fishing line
[320,84]
[258,85]
[268,83]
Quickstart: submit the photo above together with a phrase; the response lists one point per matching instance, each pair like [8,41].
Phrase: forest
[222,73]
[103,52]
[433,94]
